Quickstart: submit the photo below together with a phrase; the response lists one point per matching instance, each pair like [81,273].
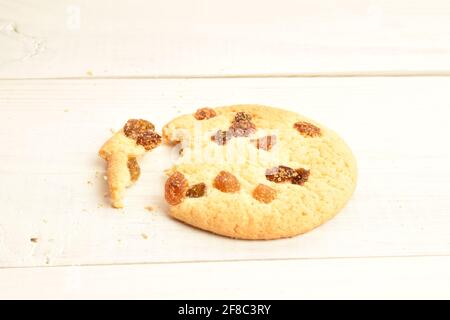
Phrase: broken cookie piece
[121,153]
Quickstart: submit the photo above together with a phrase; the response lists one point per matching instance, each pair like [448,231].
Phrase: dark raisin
[133,167]
[242,128]
[226,182]
[280,174]
[196,191]
[307,129]
[221,137]
[175,188]
[264,193]
[242,116]
[301,177]
[265,143]
[149,140]
[135,127]
[204,114]
[242,125]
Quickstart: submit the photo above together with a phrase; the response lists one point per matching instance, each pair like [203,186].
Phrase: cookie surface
[256,172]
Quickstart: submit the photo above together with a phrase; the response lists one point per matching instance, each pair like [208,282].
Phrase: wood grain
[380,278]
[170,38]
[52,187]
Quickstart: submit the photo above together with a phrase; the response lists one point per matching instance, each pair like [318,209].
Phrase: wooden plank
[52,187]
[215,38]
[379,278]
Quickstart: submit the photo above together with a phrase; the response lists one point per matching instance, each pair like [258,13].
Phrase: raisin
[133,167]
[226,182]
[307,129]
[301,177]
[265,143]
[242,129]
[136,127]
[175,188]
[221,137]
[264,193]
[242,125]
[196,191]
[149,140]
[242,116]
[204,114]
[280,174]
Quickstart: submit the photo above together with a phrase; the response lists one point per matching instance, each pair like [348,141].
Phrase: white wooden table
[378,72]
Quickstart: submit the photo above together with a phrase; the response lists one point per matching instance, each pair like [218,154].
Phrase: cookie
[256,172]
[122,152]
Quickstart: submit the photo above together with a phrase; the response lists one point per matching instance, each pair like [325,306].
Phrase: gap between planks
[369,74]
[234,261]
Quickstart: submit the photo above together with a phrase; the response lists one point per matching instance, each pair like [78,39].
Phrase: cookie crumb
[144,236]
[34,240]
[89,182]
[150,208]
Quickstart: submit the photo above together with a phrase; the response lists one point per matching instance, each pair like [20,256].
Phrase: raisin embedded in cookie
[121,153]
[256,191]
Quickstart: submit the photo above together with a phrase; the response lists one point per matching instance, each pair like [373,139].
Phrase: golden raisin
[135,127]
[196,191]
[264,193]
[149,140]
[175,188]
[133,167]
[301,177]
[204,114]
[307,129]
[280,174]
[265,143]
[226,182]
[221,137]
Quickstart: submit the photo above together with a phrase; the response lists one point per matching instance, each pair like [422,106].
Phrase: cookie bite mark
[226,182]
[307,129]
[176,188]
[242,125]
[301,177]
[264,193]
[280,174]
[221,137]
[265,143]
[196,191]
[121,153]
[204,114]
[133,168]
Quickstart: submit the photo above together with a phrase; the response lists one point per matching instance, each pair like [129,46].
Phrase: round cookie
[256,172]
